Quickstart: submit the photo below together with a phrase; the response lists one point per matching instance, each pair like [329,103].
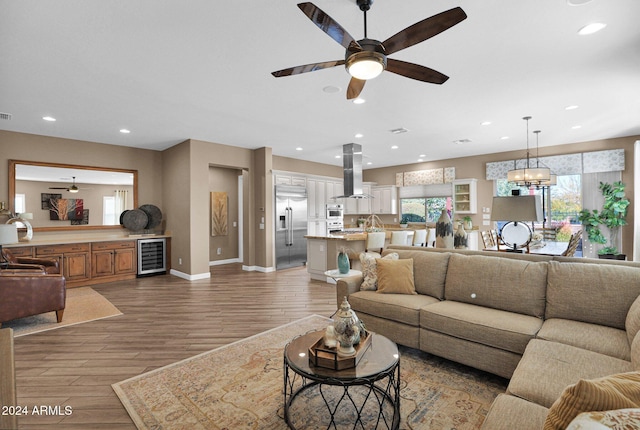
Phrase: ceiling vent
[5,116]
[399,130]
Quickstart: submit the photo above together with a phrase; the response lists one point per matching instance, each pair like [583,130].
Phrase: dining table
[551,248]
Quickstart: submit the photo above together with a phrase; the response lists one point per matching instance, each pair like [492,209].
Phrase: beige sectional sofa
[543,322]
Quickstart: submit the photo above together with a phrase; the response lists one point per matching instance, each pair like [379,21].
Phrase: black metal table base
[381,391]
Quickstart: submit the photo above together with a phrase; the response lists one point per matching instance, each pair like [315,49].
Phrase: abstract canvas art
[66,209]
[219,213]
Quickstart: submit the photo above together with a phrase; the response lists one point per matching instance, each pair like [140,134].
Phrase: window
[561,203]
[20,204]
[109,211]
[424,209]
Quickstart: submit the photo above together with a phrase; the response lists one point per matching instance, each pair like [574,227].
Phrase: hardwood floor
[165,319]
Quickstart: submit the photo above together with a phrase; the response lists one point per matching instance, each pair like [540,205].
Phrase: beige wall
[307,167]
[474,167]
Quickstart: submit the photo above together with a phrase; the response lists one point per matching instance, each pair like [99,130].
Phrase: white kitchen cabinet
[316,198]
[465,196]
[359,206]
[385,198]
[284,179]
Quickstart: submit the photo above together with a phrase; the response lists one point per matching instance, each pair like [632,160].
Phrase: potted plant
[404,222]
[613,216]
[468,223]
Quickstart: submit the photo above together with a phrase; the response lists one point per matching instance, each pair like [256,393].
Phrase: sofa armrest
[347,286]
[27,294]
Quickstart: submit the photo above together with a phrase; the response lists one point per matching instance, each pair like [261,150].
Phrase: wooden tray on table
[322,356]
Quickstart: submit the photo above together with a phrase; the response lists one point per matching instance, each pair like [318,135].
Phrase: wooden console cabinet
[89,263]
[113,259]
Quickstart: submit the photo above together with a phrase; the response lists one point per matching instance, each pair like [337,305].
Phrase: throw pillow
[396,276]
[369,273]
[603,394]
[620,419]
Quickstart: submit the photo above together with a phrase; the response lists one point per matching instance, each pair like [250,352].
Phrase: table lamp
[516,210]
[8,235]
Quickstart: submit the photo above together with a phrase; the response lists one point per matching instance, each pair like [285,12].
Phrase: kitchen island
[322,251]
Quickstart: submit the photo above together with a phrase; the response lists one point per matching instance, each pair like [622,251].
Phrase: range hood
[352,162]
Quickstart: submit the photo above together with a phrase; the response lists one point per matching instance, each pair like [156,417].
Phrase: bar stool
[420,237]
[399,237]
[375,241]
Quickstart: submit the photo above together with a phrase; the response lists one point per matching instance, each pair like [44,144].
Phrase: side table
[335,274]
[366,396]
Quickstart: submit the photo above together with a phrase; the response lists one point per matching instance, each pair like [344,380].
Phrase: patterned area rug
[84,304]
[240,386]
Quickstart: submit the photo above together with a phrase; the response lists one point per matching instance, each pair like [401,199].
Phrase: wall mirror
[71,197]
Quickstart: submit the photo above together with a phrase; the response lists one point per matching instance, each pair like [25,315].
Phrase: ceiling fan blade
[355,88]
[58,188]
[328,25]
[415,71]
[423,30]
[307,68]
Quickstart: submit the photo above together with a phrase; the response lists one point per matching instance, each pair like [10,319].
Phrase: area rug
[83,304]
[240,386]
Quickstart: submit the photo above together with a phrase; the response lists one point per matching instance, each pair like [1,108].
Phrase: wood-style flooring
[165,319]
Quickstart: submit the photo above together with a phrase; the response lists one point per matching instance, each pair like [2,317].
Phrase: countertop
[62,239]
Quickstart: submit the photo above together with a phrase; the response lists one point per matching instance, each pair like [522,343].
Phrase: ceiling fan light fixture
[366,65]
[73,189]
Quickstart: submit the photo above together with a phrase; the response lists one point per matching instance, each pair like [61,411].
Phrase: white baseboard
[258,269]
[190,277]
[221,262]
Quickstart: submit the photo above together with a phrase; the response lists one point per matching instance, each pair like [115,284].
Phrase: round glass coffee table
[366,396]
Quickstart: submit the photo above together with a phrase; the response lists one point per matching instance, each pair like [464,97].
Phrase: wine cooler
[152,257]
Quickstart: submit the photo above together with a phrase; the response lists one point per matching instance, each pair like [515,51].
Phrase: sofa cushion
[576,291]
[403,308]
[511,413]
[602,394]
[632,321]
[499,329]
[547,368]
[499,283]
[368,260]
[598,338]
[395,276]
[429,270]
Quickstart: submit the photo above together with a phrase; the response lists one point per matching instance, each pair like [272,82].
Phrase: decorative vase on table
[343,263]
[444,231]
[347,328]
[460,239]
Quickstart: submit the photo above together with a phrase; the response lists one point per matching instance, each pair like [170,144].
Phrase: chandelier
[530,176]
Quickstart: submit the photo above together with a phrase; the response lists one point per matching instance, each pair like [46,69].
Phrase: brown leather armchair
[50,266]
[29,292]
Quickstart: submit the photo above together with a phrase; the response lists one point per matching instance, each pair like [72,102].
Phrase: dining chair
[399,237]
[431,238]
[375,241]
[574,240]
[420,237]
[487,239]
[548,233]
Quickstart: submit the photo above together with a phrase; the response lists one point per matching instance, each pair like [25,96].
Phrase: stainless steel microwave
[335,211]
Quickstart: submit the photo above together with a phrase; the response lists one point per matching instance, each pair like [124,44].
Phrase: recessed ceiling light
[359,135]
[575,127]
[125,131]
[48,118]
[591,28]
[298,149]
[504,138]
[577,2]
[420,160]
[394,147]
[338,156]
[422,155]
[358,101]
[369,163]
[571,107]
[486,123]
[331,89]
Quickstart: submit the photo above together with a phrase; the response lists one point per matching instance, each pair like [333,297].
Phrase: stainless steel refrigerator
[291,226]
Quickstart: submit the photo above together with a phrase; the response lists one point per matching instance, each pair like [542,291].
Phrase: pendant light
[528,175]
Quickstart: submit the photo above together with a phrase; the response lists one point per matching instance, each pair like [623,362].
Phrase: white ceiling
[170,70]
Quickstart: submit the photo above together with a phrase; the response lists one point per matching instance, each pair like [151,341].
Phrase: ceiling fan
[367,58]
[72,189]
